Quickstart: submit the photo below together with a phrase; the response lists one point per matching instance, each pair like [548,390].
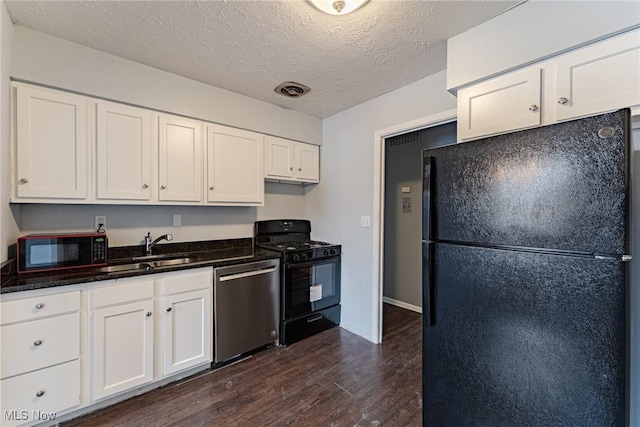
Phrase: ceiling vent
[292,89]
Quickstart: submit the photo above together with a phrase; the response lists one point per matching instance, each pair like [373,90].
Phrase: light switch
[177,220]
[406,189]
[365,221]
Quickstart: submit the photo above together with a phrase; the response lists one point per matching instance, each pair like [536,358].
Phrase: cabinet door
[279,158]
[187,330]
[122,347]
[307,162]
[51,145]
[235,166]
[180,157]
[599,78]
[506,103]
[123,152]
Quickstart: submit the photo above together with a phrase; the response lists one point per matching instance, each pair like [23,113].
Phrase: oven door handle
[234,276]
[313,263]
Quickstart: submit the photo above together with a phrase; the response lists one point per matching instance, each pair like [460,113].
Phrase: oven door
[311,286]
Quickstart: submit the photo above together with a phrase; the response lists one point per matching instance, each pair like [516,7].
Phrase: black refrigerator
[524,277]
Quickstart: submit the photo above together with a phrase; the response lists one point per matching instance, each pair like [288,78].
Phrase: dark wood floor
[334,378]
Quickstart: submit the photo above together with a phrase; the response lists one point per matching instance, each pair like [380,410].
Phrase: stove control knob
[296,257]
[332,251]
[305,257]
[325,253]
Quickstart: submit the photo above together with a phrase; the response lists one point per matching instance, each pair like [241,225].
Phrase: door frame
[378,205]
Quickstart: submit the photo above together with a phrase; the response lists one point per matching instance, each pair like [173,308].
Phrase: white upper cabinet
[307,160]
[506,103]
[123,140]
[51,151]
[235,166]
[291,161]
[598,78]
[279,158]
[74,149]
[180,159]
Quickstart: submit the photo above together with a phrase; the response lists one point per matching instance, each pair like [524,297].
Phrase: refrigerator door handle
[623,258]
[428,284]
[428,166]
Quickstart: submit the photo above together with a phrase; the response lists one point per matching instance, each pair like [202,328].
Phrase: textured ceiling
[250,47]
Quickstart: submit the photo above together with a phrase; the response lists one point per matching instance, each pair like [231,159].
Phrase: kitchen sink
[170,262]
[125,267]
[148,265]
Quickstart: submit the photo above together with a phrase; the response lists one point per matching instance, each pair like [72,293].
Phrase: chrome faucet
[148,244]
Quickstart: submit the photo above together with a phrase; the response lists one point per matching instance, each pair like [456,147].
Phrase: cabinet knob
[145,185]
[211,187]
[148,314]
[37,343]
[299,169]
[40,393]
[533,107]
[23,180]
[162,187]
[562,100]
[168,309]
[39,306]
[291,168]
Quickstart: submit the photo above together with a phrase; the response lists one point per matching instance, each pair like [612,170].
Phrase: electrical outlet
[365,221]
[100,219]
[177,220]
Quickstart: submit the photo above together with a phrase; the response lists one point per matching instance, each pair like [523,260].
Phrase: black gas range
[310,277]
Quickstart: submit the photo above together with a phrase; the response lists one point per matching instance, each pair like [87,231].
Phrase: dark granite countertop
[214,253]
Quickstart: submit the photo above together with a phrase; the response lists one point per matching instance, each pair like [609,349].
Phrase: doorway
[409,131]
[402,279]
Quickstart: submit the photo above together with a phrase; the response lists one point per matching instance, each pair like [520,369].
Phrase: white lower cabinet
[149,328]
[40,363]
[185,324]
[121,337]
[67,351]
[40,395]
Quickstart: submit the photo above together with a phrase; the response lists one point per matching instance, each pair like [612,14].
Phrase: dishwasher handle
[224,278]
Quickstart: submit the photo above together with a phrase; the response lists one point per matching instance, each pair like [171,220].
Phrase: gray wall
[403,231]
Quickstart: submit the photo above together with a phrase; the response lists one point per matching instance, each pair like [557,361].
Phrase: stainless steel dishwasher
[246,307]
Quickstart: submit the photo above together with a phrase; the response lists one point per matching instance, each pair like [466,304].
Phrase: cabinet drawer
[37,307]
[179,282]
[122,292]
[38,344]
[36,395]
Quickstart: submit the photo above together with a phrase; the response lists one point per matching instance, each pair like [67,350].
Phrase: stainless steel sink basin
[170,262]
[149,265]
[125,267]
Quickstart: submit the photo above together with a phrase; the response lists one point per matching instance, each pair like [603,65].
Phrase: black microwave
[47,252]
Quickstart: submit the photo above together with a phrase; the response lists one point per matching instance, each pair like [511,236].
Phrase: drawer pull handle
[40,393]
[23,181]
[148,314]
[37,343]
[39,305]
[563,101]
[168,309]
[533,107]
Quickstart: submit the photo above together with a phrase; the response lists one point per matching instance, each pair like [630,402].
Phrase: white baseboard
[402,304]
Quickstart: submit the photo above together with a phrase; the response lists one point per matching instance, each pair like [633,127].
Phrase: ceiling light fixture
[337,7]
